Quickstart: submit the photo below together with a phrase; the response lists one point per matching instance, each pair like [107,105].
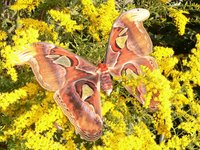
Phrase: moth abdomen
[106,82]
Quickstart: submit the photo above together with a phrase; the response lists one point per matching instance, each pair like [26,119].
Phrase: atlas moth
[77,83]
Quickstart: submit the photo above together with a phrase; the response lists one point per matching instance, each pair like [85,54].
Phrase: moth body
[106,82]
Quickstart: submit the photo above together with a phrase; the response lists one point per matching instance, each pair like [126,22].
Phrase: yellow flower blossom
[46,120]
[108,14]
[7,99]
[43,28]
[115,121]
[191,125]
[69,130]
[165,1]
[38,141]
[141,138]
[194,64]
[31,89]
[3,35]
[177,143]
[119,127]
[195,107]
[101,18]
[65,20]
[156,83]
[111,140]
[28,118]
[107,106]
[144,138]
[180,99]
[89,10]
[180,20]
[23,37]
[9,59]
[165,59]
[25,4]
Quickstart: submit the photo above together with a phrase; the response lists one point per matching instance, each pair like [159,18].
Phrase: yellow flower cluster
[31,89]
[9,61]
[3,35]
[101,18]
[183,84]
[64,18]
[186,96]
[45,121]
[44,116]
[180,19]
[6,52]
[6,99]
[46,124]
[43,28]
[144,139]
[183,94]
[165,1]
[25,4]
[114,119]
[38,141]
[21,38]
[108,106]
[158,88]
[162,118]
[118,129]
[89,10]
[193,63]
[190,126]
[10,101]
[156,83]
[139,138]
[165,59]
[177,143]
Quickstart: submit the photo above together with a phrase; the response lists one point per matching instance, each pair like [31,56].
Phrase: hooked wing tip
[25,54]
[138,14]
[134,15]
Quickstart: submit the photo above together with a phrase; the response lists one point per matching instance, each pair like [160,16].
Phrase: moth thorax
[106,82]
[102,67]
